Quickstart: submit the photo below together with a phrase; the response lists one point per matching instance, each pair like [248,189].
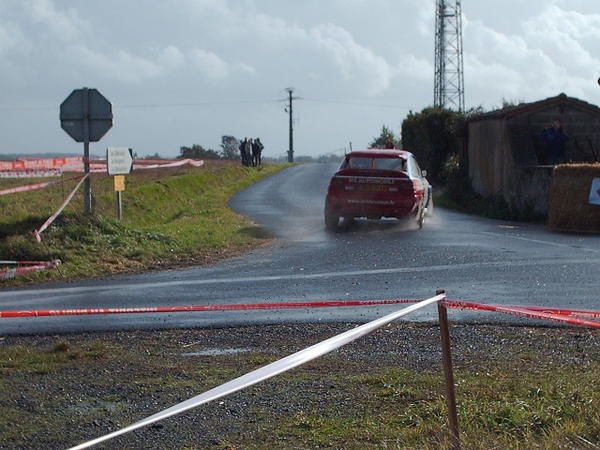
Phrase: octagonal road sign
[86,109]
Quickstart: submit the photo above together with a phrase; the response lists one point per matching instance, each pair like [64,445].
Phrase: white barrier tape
[31,173]
[18,271]
[100,166]
[28,263]
[75,164]
[183,162]
[31,187]
[9,274]
[268,371]
[37,233]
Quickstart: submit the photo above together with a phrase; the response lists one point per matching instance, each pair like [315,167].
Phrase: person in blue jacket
[555,140]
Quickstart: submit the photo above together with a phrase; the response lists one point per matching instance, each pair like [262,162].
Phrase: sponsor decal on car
[371,202]
[369,180]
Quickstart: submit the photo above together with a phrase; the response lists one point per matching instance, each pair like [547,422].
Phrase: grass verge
[517,387]
[171,217]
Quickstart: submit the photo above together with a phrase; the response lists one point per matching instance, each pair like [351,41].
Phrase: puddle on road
[217,352]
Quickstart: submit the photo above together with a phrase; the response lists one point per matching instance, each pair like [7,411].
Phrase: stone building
[511,152]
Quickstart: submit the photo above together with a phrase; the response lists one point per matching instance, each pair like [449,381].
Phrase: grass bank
[171,217]
[517,387]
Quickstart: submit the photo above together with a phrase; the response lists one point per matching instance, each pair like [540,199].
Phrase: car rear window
[359,162]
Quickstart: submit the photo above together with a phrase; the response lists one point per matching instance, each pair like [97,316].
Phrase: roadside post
[86,116]
[119,162]
[119,181]
[448,374]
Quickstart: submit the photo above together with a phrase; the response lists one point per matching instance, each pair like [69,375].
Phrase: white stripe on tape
[268,371]
[37,233]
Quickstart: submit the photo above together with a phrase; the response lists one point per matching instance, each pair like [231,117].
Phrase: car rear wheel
[429,209]
[331,221]
[347,221]
[421,217]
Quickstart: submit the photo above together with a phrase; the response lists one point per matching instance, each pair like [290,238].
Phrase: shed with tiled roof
[509,154]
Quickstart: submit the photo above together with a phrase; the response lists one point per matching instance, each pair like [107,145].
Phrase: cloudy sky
[180,72]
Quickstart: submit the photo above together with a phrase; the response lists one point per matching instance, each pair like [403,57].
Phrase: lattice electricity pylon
[449,84]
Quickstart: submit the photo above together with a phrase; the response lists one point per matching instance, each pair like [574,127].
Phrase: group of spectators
[251,152]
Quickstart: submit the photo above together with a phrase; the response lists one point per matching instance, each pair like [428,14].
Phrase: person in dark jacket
[257,148]
[243,153]
[555,140]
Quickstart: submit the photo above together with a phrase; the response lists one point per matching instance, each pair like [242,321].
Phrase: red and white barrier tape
[201,308]
[530,312]
[24,164]
[569,316]
[31,187]
[562,312]
[29,267]
[183,162]
[31,173]
[269,371]
[37,233]
[22,263]
[28,167]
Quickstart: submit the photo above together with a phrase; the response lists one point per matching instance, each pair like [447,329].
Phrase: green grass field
[171,217]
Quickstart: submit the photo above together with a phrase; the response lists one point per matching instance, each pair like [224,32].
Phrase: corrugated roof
[527,108]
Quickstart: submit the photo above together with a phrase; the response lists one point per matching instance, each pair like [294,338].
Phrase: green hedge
[432,136]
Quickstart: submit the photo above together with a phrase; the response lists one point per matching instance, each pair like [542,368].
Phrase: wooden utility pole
[290,111]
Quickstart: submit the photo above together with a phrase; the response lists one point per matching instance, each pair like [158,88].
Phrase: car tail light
[417,188]
[336,184]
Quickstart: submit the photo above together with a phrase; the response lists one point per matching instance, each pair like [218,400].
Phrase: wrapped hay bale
[569,208]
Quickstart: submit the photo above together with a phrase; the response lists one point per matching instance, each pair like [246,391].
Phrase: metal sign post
[86,116]
[119,181]
[119,162]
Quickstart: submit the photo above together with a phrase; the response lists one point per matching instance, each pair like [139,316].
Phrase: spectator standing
[555,139]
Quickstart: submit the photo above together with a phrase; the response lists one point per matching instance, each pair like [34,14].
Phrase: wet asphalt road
[472,258]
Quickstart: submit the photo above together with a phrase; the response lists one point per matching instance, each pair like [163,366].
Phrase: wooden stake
[448,374]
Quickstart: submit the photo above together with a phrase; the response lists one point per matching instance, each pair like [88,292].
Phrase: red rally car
[377,183]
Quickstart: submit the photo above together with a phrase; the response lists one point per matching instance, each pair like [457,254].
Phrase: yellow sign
[119,183]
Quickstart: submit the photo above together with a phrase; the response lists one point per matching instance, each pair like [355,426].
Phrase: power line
[357,103]
[149,105]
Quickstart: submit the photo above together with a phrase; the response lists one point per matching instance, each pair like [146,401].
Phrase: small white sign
[595,192]
[119,160]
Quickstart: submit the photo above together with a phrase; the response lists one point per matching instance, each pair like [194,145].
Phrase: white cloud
[322,47]
[563,36]
[66,25]
[547,57]
[209,64]
[354,61]
[12,39]
[131,68]
[125,66]
[171,58]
